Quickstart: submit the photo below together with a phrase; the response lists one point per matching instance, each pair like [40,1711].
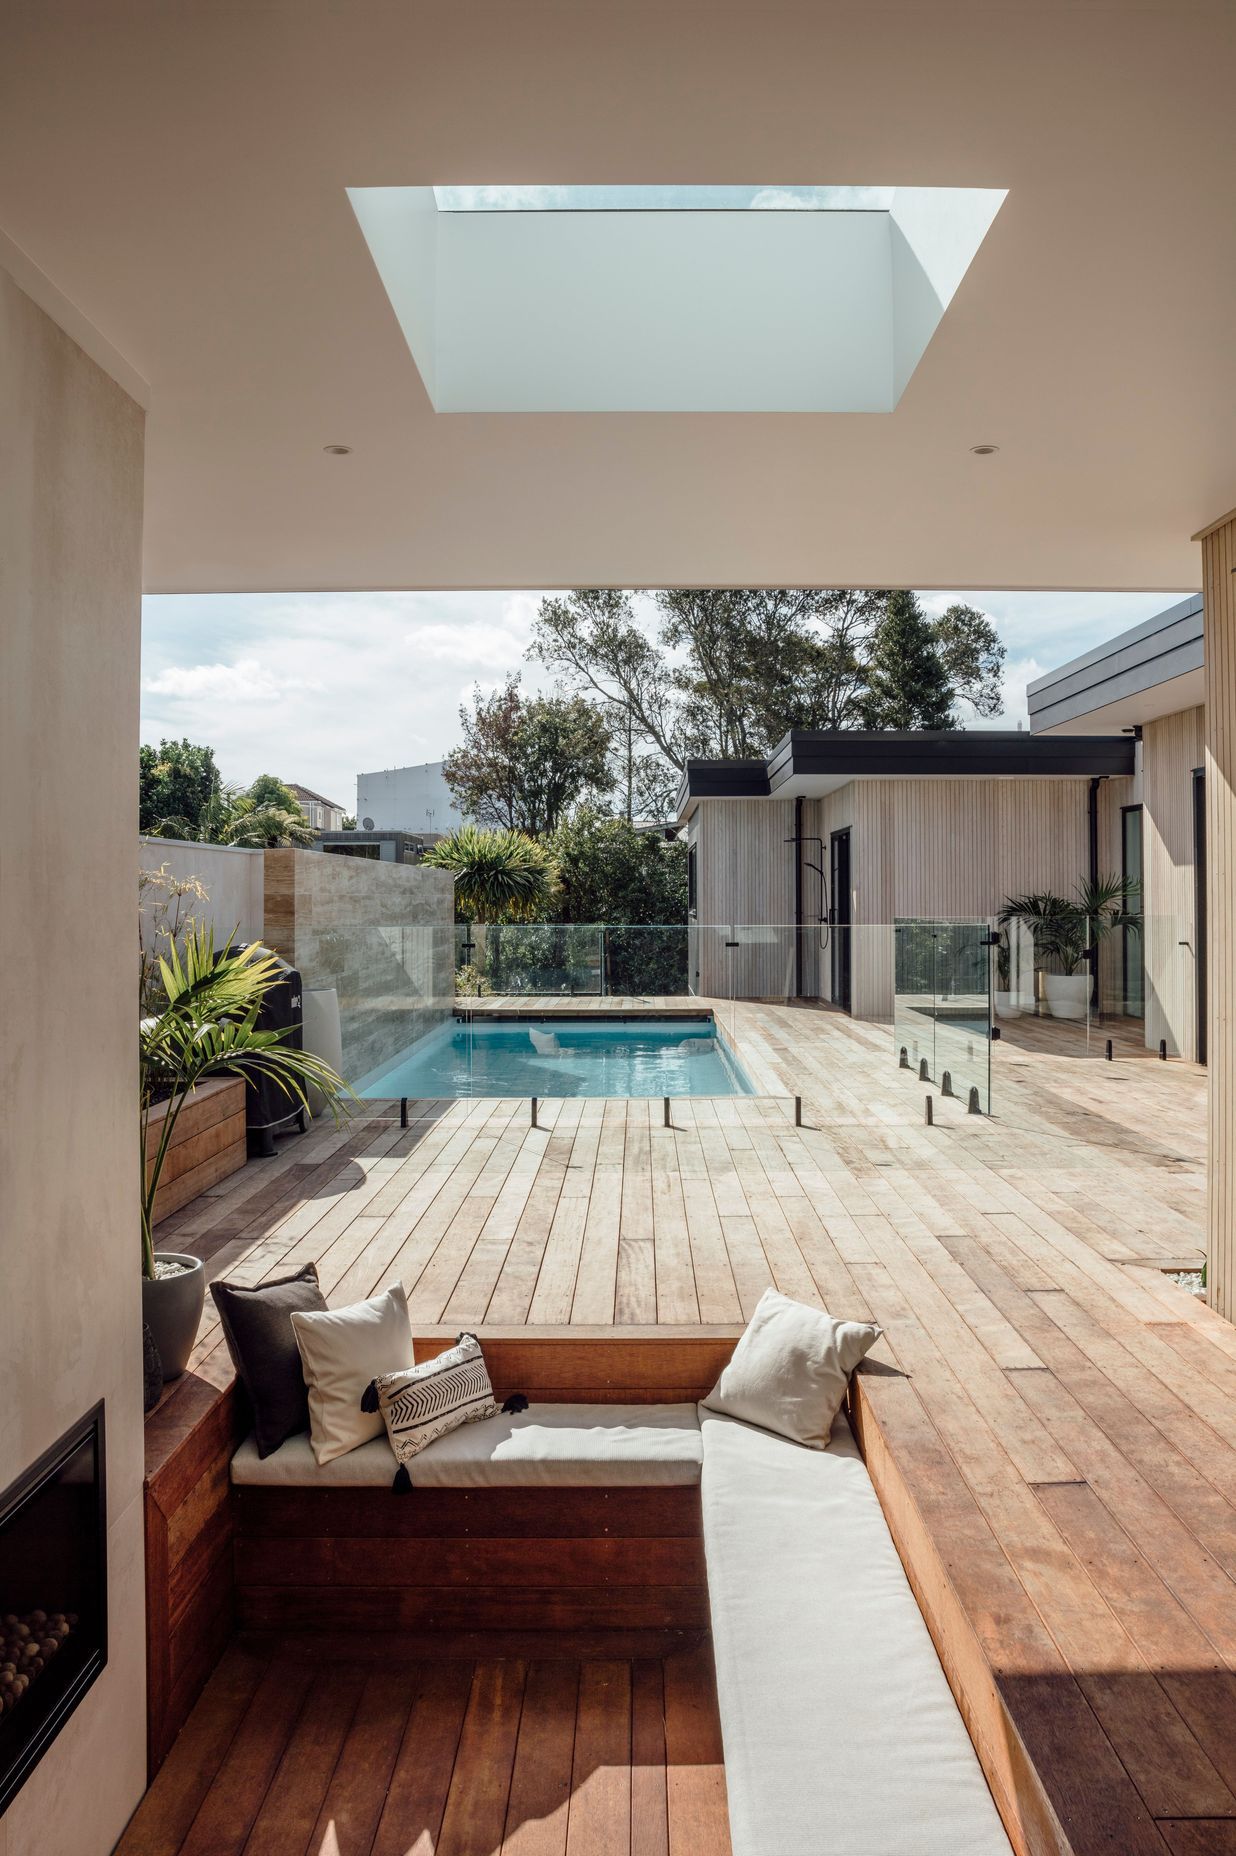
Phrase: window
[1133,951]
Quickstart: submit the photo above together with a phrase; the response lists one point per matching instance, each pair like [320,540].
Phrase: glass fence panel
[1045,992]
[963,1011]
[1171,995]
[646,961]
[914,996]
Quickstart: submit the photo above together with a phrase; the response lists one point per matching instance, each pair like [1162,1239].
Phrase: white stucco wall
[230,875]
[70,1329]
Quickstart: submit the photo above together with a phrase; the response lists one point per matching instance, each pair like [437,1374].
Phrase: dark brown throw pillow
[257,1325]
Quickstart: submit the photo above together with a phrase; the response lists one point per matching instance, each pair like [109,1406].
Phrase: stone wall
[381,934]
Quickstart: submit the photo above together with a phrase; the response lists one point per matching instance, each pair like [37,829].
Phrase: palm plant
[207,1025]
[266,827]
[500,876]
[1066,928]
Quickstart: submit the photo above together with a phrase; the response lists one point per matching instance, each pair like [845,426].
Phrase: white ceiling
[179,175]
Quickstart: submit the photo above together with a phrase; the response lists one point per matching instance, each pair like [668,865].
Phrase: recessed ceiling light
[984,451]
[337,451]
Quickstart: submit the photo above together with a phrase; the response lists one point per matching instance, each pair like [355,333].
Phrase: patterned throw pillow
[427,1401]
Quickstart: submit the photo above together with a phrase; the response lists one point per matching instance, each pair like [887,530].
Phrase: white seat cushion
[841,1734]
[547,1446]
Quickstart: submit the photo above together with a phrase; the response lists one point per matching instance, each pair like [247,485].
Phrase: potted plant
[205,1026]
[1067,930]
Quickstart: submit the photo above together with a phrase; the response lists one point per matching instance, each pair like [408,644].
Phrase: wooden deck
[288,1754]
[1050,1421]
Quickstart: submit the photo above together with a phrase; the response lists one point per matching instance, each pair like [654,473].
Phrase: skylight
[672,199]
[671,299]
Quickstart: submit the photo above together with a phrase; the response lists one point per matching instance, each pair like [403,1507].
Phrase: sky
[318,687]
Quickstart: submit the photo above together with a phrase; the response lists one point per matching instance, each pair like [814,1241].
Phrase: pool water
[634,1057]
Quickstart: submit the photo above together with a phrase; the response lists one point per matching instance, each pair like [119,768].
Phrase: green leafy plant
[1065,928]
[207,1025]
[266,827]
[500,876]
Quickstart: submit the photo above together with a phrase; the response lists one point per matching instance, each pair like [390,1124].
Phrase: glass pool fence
[429,1014]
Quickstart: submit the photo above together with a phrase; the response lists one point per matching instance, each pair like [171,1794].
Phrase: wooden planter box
[208,1144]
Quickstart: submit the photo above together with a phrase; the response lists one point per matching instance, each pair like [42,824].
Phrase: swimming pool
[630,1057]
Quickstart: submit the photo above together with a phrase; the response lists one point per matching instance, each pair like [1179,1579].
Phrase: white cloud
[247,680]
[321,687]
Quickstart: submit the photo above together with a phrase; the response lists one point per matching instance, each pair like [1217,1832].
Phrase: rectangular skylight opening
[521,299]
[663,199]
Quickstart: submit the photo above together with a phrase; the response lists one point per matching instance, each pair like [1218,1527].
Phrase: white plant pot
[1067,994]
[1008,1005]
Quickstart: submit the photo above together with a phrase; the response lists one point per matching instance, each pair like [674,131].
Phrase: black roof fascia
[874,754]
[972,753]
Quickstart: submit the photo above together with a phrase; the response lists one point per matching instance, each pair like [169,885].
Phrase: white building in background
[415,799]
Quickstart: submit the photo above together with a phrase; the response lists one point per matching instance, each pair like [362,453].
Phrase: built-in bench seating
[613,1507]
[840,1731]
[557,1446]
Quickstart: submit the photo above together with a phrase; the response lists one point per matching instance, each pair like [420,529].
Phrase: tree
[609,872]
[500,876]
[907,684]
[262,827]
[177,783]
[729,672]
[972,656]
[269,790]
[635,883]
[523,765]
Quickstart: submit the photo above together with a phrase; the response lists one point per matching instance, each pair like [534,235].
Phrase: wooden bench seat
[443,1556]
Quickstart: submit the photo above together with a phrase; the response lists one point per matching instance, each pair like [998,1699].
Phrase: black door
[839,917]
[1199,905]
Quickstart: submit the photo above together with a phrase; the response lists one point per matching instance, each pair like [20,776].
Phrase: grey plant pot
[172,1310]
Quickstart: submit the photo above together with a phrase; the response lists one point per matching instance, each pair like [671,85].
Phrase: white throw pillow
[790,1370]
[424,1402]
[340,1352]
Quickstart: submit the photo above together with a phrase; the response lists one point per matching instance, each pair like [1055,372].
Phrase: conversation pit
[1035,1401]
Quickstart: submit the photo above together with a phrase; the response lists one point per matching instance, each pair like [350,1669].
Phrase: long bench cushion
[548,1446]
[841,1735]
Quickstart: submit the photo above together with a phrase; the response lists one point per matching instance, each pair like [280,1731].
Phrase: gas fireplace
[53,1595]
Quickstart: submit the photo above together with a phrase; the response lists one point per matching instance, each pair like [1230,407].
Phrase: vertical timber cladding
[1171,748]
[1219,599]
[746,894]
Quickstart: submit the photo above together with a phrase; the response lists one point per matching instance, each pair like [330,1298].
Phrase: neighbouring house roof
[1155,668]
[810,762]
[307,792]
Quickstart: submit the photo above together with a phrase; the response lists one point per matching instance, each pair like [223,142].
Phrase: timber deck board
[1062,1417]
[565,1757]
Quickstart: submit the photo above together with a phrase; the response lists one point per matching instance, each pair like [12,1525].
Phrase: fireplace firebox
[53,1595]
